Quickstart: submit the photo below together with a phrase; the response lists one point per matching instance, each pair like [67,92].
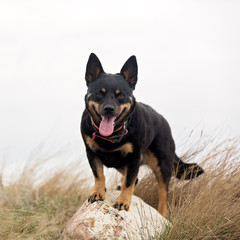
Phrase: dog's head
[109,99]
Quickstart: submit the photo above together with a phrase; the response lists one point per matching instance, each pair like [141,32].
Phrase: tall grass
[40,211]
[207,207]
[204,208]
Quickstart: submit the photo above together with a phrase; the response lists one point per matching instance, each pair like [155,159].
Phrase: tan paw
[96,196]
[120,205]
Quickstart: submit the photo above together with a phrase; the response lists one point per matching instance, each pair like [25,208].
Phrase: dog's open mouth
[107,123]
[106,126]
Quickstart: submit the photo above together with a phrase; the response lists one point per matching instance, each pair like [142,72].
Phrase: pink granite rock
[101,221]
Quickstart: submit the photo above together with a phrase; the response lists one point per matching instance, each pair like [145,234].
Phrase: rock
[101,221]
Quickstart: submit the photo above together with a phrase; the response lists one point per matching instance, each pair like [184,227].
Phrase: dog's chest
[116,158]
[111,158]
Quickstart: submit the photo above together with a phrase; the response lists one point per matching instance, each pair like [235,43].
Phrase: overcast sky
[188,54]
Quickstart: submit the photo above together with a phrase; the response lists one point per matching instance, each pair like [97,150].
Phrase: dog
[121,133]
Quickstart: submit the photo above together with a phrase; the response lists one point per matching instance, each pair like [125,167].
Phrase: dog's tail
[186,171]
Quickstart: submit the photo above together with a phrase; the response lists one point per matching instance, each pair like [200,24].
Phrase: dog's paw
[121,205]
[96,197]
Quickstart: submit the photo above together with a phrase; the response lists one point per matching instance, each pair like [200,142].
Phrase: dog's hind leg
[123,173]
[153,163]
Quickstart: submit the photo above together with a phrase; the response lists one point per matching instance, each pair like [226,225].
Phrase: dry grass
[40,211]
[204,208]
[207,207]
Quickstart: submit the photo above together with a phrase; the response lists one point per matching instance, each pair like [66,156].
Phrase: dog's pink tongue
[106,126]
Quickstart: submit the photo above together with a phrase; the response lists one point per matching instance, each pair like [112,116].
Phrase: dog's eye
[99,94]
[120,96]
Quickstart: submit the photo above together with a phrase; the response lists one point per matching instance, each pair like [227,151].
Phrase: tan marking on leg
[124,200]
[98,191]
[162,192]
[123,171]
[152,162]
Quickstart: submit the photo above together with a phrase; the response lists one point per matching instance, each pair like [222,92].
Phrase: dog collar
[113,139]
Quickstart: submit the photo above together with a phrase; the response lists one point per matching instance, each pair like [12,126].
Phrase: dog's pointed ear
[130,70]
[94,68]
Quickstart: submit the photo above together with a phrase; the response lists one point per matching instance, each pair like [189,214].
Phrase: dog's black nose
[109,108]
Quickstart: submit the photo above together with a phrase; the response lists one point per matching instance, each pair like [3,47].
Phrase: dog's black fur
[131,134]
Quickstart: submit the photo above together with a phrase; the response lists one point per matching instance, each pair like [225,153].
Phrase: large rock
[99,220]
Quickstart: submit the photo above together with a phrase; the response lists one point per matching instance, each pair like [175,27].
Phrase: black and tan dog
[121,133]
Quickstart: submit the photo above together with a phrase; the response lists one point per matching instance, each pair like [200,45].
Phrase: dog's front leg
[98,191]
[124,200]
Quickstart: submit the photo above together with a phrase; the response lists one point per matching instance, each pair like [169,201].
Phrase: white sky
[188,54]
